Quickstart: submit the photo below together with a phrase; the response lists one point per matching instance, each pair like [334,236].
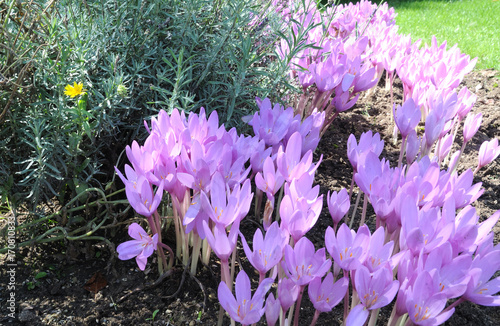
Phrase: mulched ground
[65,297]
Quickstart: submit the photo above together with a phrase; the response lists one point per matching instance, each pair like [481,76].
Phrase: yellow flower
[75,90]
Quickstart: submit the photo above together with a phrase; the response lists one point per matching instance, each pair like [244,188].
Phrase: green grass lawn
[473,24]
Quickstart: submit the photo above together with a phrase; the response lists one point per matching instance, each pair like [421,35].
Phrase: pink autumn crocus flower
[141,196]
[338,205]
[221,207]
[343,101]
[413,142]
[272,310]
[326,294]
[452,271]
[302,264]
[368,142]
[406,117]
[471,125]
[465,101]
[220,241]
[481,288]
[422,229]
[329,73]
[288,292]
[271,122]
[290,162]
[375,290]
[424,304]
[267,251]
[141,248]
[245,308]
[379,253]
[488,152]
[270,180]
[349,249]
[300,207]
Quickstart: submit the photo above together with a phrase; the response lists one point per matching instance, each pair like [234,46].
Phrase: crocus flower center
[220,213]
[347,253]
[421,314]
[375,262]
[303,271]
[480,291]
[370,298]
[242,311]
[265,257]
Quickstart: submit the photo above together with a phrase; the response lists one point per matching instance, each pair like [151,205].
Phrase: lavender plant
[131,57]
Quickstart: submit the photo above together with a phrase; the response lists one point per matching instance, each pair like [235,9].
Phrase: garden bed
[62,297]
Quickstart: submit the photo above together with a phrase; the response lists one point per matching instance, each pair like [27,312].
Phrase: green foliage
[133,58]
[154,315]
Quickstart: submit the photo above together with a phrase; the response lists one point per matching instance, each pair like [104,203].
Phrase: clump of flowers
[428,246]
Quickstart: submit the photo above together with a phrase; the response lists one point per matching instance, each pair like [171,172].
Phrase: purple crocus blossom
[465,231]
[368,142]
[329,73]
[141,159]
[338,205]
[288,293]
[222,243]
[379,254]
[412,146]
[481,289]
[270,180]
[141,248]
[326,294]
[464,192]
[300,207]
[302,263]
[425,305]
[406,117]
[310,130]
[131,174]
[245,308]
[141,197]
[258,157]
[488,152]
[291,164]
[450,270]
[349,249]
[271,123]
[342,100]
[272,310]
[374,290]
[221,207]
[421,229]
[197,170]
[471,125]
[268,250]
[444,145]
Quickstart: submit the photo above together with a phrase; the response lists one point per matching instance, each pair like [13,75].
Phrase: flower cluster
[428,245]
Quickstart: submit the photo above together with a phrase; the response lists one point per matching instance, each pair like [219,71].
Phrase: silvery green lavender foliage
[133,58]
[426,226]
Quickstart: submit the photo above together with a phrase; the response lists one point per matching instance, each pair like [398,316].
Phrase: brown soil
[60,298]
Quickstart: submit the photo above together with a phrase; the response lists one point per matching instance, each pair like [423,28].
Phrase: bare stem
[297,311]
[363,214]
[355,208]
[315,317]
